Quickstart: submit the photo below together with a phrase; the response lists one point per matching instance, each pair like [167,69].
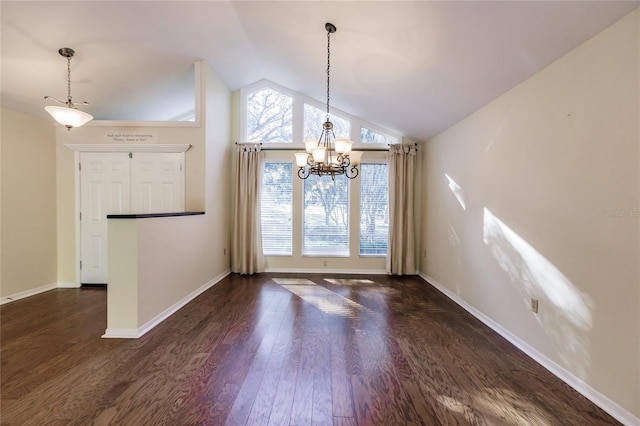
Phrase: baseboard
[611,407]
[326,271]
[130,333]
[120,333]
[27,293]
[69,285]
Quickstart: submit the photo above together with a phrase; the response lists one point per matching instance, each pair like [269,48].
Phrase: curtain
[401,244]
[246,241]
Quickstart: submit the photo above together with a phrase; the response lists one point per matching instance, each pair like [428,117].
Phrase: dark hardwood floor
[276,349]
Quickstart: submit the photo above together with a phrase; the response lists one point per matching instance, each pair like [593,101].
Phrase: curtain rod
[301,149]
[268,148]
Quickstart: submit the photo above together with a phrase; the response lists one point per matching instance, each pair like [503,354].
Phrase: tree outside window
[269,116]
[277,209]
[374,209]
[326,216]
[313,119]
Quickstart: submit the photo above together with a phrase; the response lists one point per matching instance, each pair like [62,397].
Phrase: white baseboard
[120,333]
[27,293]
[326,271]
[69,285]
[611,407]
[130,333]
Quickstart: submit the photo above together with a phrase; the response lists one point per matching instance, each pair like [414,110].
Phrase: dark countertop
[150,215]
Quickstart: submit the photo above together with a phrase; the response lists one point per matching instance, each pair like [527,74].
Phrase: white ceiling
[414,67]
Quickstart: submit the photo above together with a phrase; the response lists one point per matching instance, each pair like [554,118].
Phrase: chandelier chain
[328,68]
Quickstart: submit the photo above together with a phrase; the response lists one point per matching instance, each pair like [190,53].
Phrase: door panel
[104,189]
[157,182]
[117,183]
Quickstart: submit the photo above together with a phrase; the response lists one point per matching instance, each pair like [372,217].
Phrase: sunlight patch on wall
[565,312]
[526,265]
[456,245]
[457,191]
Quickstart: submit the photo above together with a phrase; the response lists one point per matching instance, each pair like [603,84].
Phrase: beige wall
[218,189]
[28,203]
[536,195]
[66,195]
[166,260]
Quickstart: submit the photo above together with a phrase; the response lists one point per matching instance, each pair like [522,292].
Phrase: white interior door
[157,182]
[105,188]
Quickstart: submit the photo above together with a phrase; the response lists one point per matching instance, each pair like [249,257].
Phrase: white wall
[521,200]
[28,205]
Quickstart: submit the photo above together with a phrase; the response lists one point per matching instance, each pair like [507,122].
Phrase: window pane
[269,116]
[313,119]
[276,209]
[370,136]
[374,209]
[326,216]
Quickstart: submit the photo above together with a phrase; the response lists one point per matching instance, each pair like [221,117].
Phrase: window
[269,116]
[276,209]
[371,136]
[374,209]
[326,216]
[313,119]
[316,217]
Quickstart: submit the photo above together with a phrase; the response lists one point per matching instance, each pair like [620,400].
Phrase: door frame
[79,148]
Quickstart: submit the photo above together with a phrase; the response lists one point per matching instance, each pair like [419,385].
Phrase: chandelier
[69,116]
[328,155]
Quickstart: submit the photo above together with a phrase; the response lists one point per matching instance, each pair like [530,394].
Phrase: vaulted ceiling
[415,67]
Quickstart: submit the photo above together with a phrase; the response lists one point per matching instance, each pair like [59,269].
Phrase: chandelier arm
[57,100]
[354,172]
[303,172]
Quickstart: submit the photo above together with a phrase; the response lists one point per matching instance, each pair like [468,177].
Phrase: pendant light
[69,116]
[328,156]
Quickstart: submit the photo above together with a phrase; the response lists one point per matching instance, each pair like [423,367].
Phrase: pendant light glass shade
[68,117]
[301,159]
[343,146]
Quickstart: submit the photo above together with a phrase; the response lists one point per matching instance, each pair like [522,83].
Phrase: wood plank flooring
[276,349]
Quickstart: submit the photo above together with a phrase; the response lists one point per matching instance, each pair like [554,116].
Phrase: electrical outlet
[224,251]
[324,263]
[534,305]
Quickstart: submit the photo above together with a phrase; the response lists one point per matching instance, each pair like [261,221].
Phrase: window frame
[376,153]
[297,113]
[378,130]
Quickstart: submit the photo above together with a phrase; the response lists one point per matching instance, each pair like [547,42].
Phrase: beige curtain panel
[401,245]
[246,242]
